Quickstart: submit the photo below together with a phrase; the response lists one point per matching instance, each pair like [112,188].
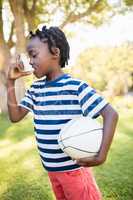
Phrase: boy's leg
[56,186]
[75,185]
[80,184]
[94,191]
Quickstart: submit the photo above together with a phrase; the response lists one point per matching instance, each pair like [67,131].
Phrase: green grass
[22,176]
[115,177]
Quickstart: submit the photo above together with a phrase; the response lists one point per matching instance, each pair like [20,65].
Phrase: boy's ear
[56,52]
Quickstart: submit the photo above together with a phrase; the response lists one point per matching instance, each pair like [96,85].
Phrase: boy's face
[40,57]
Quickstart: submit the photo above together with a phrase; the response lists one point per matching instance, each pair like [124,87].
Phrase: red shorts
[74,185]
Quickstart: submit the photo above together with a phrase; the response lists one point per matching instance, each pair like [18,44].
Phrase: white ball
[81,137]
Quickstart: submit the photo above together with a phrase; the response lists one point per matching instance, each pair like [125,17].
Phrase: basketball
[81,137]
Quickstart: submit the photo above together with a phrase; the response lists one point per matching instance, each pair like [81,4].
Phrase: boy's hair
[55,38]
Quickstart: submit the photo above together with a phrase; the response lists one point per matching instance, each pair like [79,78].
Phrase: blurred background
[100,35]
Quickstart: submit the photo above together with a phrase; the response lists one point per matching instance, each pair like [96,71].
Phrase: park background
[100,34]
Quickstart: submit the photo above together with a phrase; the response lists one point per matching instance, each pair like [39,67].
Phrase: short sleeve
[90,101]
[28,101]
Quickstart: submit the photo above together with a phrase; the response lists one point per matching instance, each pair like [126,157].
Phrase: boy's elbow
[115,115]
[109,111]
[17,115]
[13,120]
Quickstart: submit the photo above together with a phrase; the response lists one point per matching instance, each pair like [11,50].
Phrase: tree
[27,14]
[107,69]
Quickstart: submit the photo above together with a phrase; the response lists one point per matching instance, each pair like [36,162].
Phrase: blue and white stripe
[53,104]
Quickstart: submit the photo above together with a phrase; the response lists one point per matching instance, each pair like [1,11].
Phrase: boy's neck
[53,75]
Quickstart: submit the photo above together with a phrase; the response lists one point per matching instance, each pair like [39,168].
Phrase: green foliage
[129,2]
[107,68]
[126,102]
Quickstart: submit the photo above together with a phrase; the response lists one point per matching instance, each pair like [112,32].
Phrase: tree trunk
[3,78]
[4,62]
[5,54]
[18,12]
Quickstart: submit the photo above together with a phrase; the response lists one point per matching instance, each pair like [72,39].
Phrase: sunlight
[5,143]
[3,187]
[112,33]
[25,145]
[114,2]
[7,19]
[29,164]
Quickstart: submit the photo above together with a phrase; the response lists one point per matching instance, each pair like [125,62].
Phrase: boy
[54,101]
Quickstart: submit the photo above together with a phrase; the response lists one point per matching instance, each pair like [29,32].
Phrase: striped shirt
[53,104]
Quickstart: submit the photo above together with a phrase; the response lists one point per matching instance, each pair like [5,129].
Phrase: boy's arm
[110,118]
[16,113]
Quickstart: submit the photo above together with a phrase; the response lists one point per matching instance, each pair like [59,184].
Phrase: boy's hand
[110,118]
[91,161]
[16,69]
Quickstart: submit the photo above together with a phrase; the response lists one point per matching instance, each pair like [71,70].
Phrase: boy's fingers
[26,73]
[84,164]
[20,65]
[85,159]
[19,62]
